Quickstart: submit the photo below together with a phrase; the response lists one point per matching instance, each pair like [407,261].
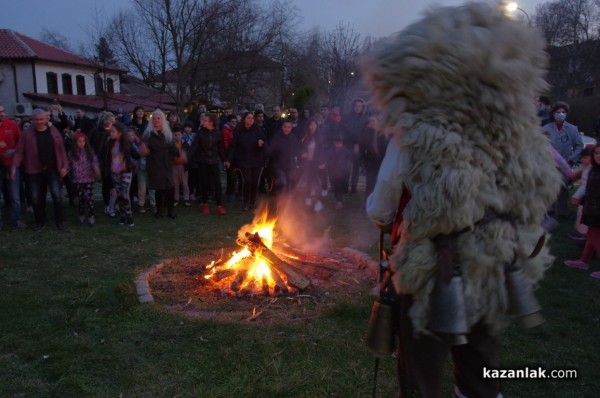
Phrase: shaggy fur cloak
[458,88]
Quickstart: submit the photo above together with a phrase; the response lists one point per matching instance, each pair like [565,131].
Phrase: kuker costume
[457,90]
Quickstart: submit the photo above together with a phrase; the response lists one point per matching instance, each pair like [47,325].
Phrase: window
[99,85]
[67,84]
[110,86]
[80,84]
[52,82]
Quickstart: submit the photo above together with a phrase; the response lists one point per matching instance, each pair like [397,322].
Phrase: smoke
[299,226]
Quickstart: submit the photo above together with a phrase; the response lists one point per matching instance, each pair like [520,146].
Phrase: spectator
[98,140]
[84,166]
[82,123]
[123,164]
[207,153]
[339,161]
[543,108]
[232,187]
[273,124]
[283,152]
[139,121]
[159,149]
[351,127]
[565,138]
[58,117]
[179,173]
[312,158]
[9,137]
[41,151]
[373,143]
[188,135]
[577,197]
[247,153]
[591,217]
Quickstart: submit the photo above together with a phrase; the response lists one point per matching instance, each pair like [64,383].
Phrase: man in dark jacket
[42,154]
[351,127]
[283,156]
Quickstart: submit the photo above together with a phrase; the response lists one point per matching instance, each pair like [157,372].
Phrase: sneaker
[130,222]
[324,193]
[176,203]
[308,201]
[122,221]
[221,211]
[107,210]
[595,275]
[188,203]
[141,210]
[318,206]
[204,208]
[576,235]
[91,222]
[38,227]
[576,264]
[20,225]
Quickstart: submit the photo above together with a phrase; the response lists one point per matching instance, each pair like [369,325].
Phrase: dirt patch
[180,285]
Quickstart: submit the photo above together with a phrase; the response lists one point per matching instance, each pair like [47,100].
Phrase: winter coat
[207,148]
[591,203]
[159,162]
[283,151]
[244,151]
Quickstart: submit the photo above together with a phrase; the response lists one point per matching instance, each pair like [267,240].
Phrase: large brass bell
[381,333]
[447,314]
[522,301]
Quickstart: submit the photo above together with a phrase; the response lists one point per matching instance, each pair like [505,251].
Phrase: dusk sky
[74,18]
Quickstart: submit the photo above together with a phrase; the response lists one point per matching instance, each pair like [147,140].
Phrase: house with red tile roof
[34,74]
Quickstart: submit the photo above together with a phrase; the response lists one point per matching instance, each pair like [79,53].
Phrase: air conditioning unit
[23,109]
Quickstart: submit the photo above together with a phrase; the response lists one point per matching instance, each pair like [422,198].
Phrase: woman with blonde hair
[159,149]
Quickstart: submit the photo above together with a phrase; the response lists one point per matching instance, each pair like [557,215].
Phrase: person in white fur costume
[457,90]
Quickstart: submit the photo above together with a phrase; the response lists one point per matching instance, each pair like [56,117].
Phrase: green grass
[70,324]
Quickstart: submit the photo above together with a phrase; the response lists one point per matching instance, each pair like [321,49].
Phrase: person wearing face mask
[565,138]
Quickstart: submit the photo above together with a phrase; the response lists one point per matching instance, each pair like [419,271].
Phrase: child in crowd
[591,216]
[339,160]
[188,136]
[134,141]
[179,174]
[84,166]
[577,198]
[123,163]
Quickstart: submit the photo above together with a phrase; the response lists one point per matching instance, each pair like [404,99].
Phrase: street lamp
[510,7]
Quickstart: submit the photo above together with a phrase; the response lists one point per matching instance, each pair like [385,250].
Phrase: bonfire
[261,266]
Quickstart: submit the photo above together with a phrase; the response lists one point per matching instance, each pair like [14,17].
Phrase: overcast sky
[73,18]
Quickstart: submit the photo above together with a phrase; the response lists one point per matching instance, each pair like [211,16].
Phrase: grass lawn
[71,326]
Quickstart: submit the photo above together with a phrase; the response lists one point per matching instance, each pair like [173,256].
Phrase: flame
[256,266]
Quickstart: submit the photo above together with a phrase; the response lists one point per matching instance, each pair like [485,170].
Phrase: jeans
[14,199]
[38,185]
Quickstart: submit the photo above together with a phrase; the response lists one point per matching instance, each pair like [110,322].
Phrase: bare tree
[341,50]
[571,31]
[55,39]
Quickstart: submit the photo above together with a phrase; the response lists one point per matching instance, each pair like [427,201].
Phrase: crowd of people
[154,162]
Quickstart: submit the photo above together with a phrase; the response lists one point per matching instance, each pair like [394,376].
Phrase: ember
[259,267]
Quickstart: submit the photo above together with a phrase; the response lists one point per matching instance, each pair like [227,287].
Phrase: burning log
[239,279]
[295,277]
